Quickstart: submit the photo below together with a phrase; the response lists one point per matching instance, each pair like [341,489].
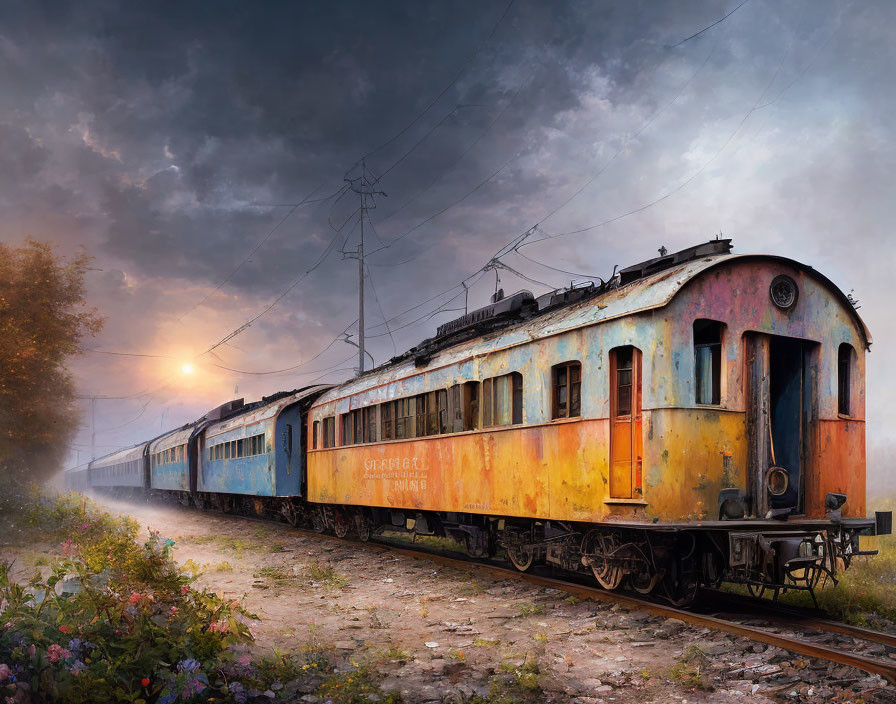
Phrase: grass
[274,574]
[526,609]
[865,594]
[485,643]
[326,575]
[690,670]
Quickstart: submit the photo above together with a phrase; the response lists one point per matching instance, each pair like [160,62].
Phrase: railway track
[774,625]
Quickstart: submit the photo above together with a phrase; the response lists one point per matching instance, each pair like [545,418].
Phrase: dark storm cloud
[153,133]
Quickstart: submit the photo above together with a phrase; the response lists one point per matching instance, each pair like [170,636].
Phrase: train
[698,418]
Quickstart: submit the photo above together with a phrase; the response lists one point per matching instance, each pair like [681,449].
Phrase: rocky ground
[437,633]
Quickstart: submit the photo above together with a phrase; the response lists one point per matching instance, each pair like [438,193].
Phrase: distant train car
[76,479]
[123,470]
[256,452]
[169,461]
[699,418]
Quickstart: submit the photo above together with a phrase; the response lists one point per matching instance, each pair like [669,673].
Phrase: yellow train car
[699,417]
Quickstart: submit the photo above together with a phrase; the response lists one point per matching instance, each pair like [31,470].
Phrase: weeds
[352,687]
[326,575]
[526,609]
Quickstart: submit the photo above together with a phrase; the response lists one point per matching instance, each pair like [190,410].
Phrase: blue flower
[188,665]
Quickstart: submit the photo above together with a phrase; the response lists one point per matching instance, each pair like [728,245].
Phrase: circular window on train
[783,291]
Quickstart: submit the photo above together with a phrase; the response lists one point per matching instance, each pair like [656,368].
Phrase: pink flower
[184,589]
[4,671]
[134,598]
[216,627]
[86,526]
[56,652]
[174,609]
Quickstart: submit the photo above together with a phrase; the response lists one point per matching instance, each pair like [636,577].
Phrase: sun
[186,368]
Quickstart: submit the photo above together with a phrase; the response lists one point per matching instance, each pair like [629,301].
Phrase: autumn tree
[43,319]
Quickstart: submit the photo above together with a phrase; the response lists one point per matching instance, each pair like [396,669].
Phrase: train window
[346,421]
[471,405]
[455,410]
[315,433]
[358,426]
[845,356]
[404,420]
[370,423]
[566,396]
[502,400]
[708,361]
[623,382]
[387,429]
[329,438]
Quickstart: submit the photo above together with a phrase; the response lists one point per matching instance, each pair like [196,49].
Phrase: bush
[112,620]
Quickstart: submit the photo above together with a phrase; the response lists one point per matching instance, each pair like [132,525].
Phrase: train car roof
[173,438]
[265,409]
[641,295]
[128,454]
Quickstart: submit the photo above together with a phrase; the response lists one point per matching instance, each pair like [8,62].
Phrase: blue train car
[121,469]
[76,479]
[258,452]
[169,460]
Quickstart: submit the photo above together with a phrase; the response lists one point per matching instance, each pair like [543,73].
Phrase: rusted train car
[699,418]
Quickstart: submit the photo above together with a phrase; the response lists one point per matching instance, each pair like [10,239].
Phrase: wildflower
[4,671]
[64,629]
[86,526]
[195,686]
[145,682]
[238,692]
[75,645]
[188,665]
[31,650]
[77,667]
[134,598]
[217,627]
[173,609]
[56,652]
[184,589]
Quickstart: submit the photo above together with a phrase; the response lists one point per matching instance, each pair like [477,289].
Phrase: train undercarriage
[669,561]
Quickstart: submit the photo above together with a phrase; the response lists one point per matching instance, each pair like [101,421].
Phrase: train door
[626,441]
[780,409]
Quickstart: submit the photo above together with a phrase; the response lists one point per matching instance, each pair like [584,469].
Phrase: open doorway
[781,400]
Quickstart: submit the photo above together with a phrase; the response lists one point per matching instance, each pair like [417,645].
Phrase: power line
[456,162]
[258,246]
[288,369]
[279,298]
[444,90]
[706,29]
[378,305]
[682,185]
[131,354]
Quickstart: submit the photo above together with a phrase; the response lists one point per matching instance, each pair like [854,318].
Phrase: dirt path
[432,630]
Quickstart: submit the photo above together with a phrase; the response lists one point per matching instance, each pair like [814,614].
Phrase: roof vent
[517,306]
[666,261]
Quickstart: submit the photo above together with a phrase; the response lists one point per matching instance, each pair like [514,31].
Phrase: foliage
[43,319]
[326,575]
[356,687]
[114,620]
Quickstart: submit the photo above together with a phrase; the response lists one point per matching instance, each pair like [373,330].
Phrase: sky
[199,152]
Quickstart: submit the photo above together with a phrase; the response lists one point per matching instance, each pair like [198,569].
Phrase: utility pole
[361,279]
[93,428]
[364,188]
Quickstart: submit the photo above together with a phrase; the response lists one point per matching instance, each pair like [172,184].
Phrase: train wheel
[520,557]
[607,576]
[644,582]
[318,524]
[362,525]
[341,528]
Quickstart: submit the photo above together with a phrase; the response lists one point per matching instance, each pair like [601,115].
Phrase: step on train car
[698,418]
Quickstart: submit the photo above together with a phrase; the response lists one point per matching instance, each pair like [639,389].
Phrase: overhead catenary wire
[684,183]
[707,28]
[435,100]
[255,249]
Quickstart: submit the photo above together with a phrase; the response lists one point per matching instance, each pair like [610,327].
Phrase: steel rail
[876,666]
[866,663]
